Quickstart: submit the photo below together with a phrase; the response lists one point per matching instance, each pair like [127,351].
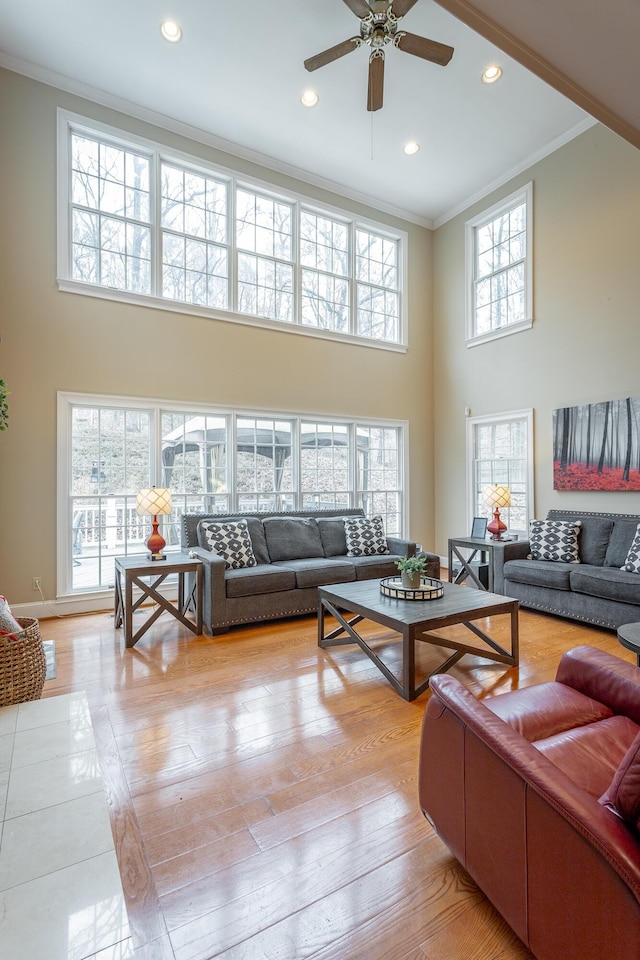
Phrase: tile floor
[60,890]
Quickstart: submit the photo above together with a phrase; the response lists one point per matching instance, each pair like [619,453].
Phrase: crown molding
[146,115]
[526,164]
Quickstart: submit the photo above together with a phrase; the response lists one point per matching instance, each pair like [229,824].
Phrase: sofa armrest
[604,677]
[503,551]
[404,548]
[581,813]
[214,593]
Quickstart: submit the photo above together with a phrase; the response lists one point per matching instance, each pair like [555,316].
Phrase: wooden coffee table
[416,620]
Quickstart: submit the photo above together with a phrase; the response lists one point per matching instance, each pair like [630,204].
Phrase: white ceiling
[238,75]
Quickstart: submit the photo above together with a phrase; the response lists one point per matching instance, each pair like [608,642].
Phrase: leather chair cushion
[546,709]
[623,795]
[590,755]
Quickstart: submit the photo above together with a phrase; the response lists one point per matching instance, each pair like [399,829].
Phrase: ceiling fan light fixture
[411,148]
[171,31]
[309,98]
[492,73]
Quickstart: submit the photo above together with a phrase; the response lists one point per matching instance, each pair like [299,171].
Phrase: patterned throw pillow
[232,542]
[632,563]
[554,540]
[8,623]
[365,536]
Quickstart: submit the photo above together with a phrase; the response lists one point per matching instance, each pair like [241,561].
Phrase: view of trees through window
[213,462]
[223,245]
[501,457]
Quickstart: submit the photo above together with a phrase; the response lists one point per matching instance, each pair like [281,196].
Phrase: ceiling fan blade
[360,7]
[333,53]
[400,7]
[376,81]
[421,47]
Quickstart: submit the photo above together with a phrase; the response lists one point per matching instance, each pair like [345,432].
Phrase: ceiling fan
[379,26]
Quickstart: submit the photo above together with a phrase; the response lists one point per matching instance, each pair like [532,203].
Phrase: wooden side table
[629,637]
[147,575]
[475,546]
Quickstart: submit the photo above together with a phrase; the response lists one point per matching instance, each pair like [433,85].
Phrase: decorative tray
[429,589]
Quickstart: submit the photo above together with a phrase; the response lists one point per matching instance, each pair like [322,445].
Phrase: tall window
[500,451]
[137,222]
[213,461]
[498,258]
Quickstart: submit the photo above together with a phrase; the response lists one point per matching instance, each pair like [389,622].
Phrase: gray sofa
[595,590]
[296,552]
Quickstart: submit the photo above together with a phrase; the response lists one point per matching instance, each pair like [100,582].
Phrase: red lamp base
[496,528]
[155,542]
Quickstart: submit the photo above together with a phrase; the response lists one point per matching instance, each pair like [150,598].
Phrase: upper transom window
[499,268]
[141,225]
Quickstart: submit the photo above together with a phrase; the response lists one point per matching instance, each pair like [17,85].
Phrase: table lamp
[154,502]
[494,496]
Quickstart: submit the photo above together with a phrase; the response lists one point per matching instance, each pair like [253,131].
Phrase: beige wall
[55,341]
[584,345]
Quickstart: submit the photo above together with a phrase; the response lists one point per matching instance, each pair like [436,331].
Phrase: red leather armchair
[512,786]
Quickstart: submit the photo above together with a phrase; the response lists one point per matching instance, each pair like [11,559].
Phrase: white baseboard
[68,606]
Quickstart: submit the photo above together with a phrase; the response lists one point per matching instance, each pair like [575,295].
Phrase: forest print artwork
[596,446]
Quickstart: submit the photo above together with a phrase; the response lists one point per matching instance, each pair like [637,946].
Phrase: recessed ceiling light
[309,98]
[171,31]
[492,73]
[411,148]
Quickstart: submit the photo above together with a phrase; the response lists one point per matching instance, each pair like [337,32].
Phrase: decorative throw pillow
[8,623]
[232,542]
[632,563]
[623,796]
[554,540]
[365,536]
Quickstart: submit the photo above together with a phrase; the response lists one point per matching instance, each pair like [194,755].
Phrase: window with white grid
[213,461]
[377,279]
[136,221]
[499,268]
[500,451]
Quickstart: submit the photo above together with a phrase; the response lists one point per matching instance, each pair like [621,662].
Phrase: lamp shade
[153,502]
[496,495]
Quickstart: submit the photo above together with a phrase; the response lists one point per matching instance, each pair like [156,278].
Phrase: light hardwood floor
[263,792]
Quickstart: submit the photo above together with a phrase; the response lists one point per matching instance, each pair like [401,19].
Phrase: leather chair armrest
[503,551]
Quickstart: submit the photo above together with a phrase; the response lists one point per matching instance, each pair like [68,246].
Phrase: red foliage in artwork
[578,477]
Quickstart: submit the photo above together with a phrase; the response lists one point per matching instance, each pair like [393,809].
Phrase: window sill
[499,333]
[177,306]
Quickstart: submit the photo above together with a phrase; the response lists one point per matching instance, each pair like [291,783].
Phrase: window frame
[511,416]
[156,407]
[69,123]
[522,195]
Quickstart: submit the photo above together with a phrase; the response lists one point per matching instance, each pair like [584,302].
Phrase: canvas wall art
[596,446]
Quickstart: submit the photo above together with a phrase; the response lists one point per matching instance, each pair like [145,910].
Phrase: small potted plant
[411,570]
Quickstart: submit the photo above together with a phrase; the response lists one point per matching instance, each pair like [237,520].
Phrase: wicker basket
[23,664]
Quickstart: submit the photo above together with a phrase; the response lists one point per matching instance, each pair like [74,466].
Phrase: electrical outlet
[36,583]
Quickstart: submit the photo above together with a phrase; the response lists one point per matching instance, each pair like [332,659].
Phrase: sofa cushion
[632,563]
[555,540]
[606,583]
[265,578]
[594,539]
[621,536]
[256,532]
[590,755]
[318,571]
[539,573]
[365,536]
[334,539]
[374,568]
[292,538]
[622,797]
[231,541]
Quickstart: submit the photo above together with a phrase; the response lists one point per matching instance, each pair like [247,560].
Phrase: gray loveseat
[296,552]
[595,590]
